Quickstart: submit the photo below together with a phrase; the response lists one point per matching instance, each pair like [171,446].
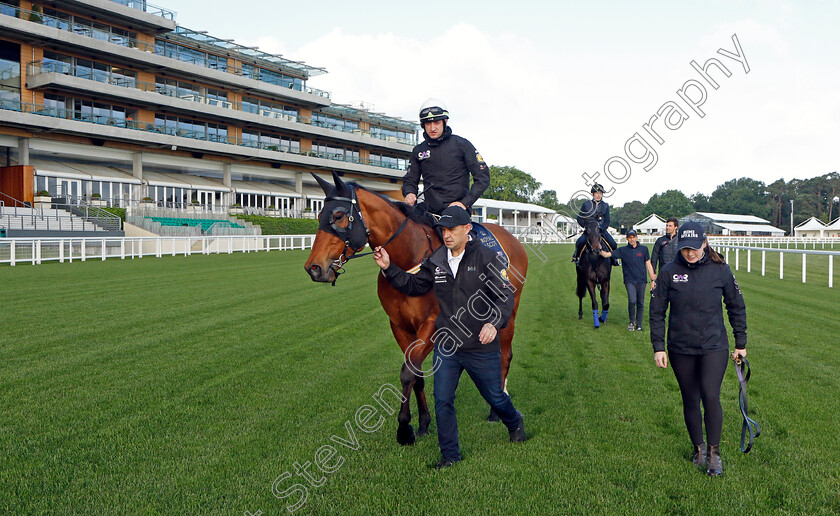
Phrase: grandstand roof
[751,228]
[729,217]
[511,205]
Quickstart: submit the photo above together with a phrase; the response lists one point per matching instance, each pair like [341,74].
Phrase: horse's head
[341,231]
[593,234]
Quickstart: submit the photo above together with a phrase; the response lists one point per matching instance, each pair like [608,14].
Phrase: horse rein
[742,369]
[338,263]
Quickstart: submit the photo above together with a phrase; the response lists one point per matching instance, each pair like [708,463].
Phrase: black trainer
[517,435]
[445,463]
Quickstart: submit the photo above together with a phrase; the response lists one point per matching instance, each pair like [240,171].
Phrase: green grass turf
[187,385]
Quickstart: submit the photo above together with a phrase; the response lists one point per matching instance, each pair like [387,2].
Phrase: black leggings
[700,377]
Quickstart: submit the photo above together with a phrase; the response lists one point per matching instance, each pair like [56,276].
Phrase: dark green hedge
[119,212]
[282,226]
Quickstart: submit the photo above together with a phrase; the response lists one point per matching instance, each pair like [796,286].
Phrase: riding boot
[699,456]
[715,467]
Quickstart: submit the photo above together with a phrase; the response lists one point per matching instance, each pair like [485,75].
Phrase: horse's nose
[314,272]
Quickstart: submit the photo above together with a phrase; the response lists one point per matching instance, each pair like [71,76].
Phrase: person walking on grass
[635,263]
[665,247]
[466,337]
[692,285]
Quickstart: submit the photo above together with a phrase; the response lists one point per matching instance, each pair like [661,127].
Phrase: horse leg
[405,433]
[605,300]
[411,378]
[592,296]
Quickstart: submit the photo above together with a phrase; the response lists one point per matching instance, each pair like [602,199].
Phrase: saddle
[489,241]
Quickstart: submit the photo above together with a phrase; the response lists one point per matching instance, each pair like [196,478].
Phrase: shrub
[42,193]
[282,225]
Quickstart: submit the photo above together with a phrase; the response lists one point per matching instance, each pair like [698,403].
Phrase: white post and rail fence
[38,250]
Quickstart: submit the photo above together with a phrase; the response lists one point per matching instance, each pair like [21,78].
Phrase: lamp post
[791,217]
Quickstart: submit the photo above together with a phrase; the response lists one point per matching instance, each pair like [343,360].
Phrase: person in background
[692,286]
[598,209]
[665,247]
[635,263]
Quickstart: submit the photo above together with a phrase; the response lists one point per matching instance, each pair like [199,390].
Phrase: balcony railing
[125,41]
[143,5]
[35,68]
[69,114]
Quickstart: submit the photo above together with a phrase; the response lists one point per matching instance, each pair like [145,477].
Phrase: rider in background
[444,162]
[600,211]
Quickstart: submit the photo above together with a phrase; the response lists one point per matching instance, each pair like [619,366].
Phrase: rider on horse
[598,210]
[445,162]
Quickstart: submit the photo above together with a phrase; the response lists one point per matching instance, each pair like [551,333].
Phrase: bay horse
[353,217]
[593,270]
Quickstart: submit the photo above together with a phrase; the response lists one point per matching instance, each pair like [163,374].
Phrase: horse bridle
[355,240]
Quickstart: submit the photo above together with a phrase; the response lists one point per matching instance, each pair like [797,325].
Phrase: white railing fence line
[725,249]
[38,250]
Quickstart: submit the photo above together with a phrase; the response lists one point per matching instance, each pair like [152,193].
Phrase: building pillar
[23,151]
[137,172]
[226,198]
[299,190]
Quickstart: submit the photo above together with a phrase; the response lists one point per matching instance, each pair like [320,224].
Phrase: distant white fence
[781,252]
[38,250]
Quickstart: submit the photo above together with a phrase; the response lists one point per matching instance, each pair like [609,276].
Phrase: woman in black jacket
[693,285]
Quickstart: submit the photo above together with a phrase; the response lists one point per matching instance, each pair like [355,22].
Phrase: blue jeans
[485,369]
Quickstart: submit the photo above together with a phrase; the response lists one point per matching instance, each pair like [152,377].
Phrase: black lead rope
[742,368]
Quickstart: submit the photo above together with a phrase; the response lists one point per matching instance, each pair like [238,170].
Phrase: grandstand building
[111,99]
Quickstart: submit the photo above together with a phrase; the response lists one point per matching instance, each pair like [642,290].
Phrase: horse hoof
[405,435]
[422,431]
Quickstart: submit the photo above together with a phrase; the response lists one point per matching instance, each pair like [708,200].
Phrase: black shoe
[715,467]
[517,435]
[445,463]
[639,328]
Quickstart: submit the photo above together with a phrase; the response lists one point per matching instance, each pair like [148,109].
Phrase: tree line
[745,196]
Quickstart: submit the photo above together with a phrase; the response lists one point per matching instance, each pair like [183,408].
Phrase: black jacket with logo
[694,292]
[445,165]
[664,251]
[478,294]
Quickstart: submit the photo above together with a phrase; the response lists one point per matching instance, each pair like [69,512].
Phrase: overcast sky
[558,88]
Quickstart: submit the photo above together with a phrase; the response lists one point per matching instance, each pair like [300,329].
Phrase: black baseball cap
[453,216]
[691,235]
[631,232]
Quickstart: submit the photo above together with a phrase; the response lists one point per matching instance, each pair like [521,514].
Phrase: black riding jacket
[478,294]
[599,210]
[445,164]
[694,292]
[664,251]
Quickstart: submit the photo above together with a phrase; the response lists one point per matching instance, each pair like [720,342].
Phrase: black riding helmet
[596,187]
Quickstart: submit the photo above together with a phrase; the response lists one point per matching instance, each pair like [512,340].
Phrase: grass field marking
[323,458]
